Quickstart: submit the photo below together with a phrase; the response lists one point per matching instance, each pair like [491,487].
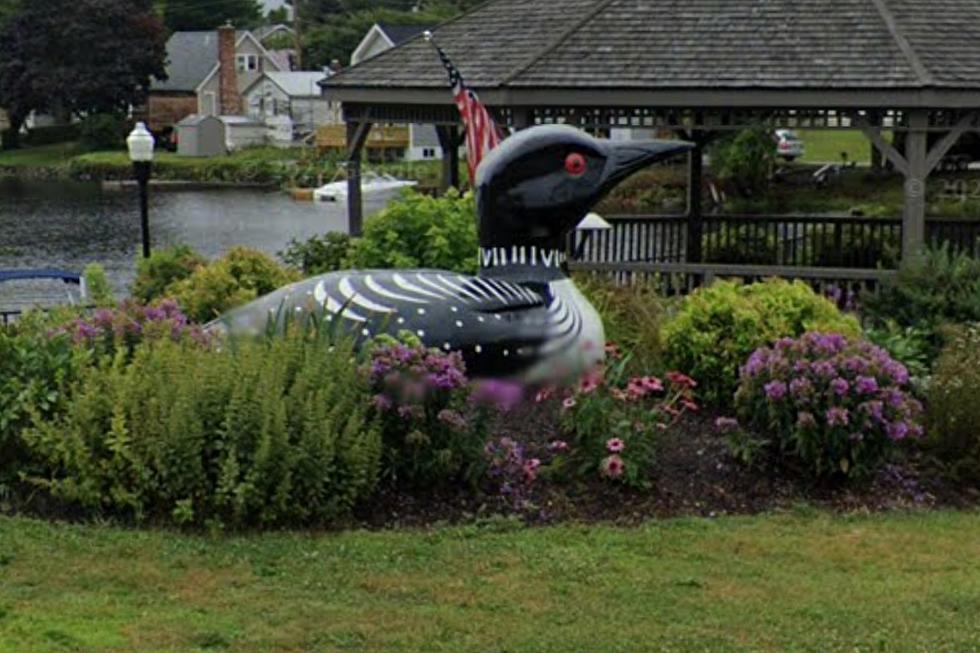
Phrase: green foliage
[52,134]
[420,232]
[97,284]
[835,406]
[180,15]
[36,373]
[633,317]
[718,327]
[104,131]
[281,436]
[907,345]
[954,409]
[237,278]
[746,160]
[318,254]
[164,268]
[934,289]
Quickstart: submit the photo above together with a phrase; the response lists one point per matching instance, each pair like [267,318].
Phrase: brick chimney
[229,101]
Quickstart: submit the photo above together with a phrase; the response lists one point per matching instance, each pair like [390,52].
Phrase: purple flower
[840,386]
[775,390]
[837,416]
[898,431]
[825,369]
[897,372]
[382,402]
[873,409]
[866,385]
[800,387]
[805,420]
[452,418]
[502,395]
[756,363]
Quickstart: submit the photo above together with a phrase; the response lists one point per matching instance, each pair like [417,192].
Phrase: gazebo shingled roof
[694,66]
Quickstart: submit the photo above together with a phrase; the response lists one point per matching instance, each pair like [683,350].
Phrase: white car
[789,146]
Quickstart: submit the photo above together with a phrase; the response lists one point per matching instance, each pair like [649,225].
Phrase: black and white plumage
[521,315]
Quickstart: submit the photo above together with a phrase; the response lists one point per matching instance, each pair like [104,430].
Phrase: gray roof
[191,56]
[398,34]
[694,44]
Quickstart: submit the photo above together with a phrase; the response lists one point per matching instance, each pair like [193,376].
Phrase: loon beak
[627,157]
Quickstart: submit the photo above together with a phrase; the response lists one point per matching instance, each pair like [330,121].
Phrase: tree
[79,57]
[200,15]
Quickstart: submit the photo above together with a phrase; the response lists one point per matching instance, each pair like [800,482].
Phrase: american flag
[482,132]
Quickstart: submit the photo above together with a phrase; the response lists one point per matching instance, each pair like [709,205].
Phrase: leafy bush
[52,134]
[237,278]
[434,429]
[834,405]
[633,317]
[97,283]
[954,412]
[909,346]
[930,291]
[37,370]
[420,232]
[613,422]
[104,131]
[164,267]
[318,254]
[281,436]
[746,160]
[718,327]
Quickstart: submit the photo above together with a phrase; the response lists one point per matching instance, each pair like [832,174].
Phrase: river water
[67,225]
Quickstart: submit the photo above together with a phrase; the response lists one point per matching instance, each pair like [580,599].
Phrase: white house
[296,95]
[423,142]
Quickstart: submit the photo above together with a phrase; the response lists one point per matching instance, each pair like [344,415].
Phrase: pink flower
[569,403]
[531,469]
[558,446]
[615,445]
[682,380]
[612,466]
[544,394]
[591,382]
[612,350]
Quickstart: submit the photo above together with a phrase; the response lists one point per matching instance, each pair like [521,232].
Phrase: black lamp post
[140,143]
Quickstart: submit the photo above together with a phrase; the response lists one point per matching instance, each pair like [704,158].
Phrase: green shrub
[433,428]
[164,267]
[104,131]
[318,254]
[238,277]
[36,374]
[835,406]
[907,345]
[633,317]
[420,232]
[51,135]
[281,435]
[718,327]
[954,403]
[932,290]
[97,284]
[746,160]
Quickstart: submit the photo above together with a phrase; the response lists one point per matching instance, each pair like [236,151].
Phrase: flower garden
[736,398]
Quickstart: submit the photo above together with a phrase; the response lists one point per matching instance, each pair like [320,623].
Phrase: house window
[428,153]
[246,62]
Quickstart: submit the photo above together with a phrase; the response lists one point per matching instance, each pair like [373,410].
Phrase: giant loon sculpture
[522,315]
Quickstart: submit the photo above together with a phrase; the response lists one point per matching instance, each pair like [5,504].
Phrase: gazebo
[697,68]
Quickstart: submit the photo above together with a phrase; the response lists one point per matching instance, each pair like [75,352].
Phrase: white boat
[373,187]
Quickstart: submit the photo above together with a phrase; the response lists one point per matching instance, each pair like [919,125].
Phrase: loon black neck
[523,263]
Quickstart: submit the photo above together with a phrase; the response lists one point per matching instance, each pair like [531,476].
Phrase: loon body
[521,315]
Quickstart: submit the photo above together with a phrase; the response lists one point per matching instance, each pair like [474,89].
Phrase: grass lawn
[801,582]
[43,156]
[825,146]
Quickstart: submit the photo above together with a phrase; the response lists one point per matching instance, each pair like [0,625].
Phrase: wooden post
[916,153]
[357,133]
[695,210]
[449,143]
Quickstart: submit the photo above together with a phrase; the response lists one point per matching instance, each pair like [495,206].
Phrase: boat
[374,186]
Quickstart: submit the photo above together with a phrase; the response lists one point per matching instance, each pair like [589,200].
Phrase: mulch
[695,475]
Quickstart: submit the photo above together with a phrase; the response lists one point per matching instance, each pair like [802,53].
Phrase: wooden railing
[820,249]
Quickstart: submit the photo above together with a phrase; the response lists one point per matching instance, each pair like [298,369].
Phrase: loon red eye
[575,164]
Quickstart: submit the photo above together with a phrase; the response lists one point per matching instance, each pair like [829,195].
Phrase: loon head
[541,182]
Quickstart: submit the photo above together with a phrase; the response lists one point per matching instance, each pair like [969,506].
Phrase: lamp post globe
[140,143]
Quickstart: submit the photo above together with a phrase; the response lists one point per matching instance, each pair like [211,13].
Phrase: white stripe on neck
[492,257]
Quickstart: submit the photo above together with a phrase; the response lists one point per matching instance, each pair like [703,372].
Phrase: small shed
[200,135]
[241,131]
